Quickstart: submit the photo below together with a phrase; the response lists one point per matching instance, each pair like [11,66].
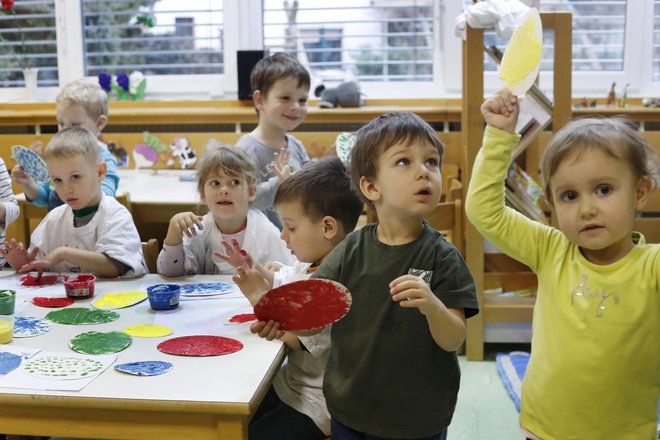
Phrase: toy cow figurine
[182,150]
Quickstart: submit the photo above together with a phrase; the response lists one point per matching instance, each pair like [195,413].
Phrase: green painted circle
[81,315]
[100,342]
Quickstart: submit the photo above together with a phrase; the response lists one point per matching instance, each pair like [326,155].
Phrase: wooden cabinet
[472,124]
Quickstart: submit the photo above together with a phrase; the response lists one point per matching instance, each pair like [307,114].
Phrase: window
[368,40]
[27,39]
[162,37]
[655,75]
[598,35]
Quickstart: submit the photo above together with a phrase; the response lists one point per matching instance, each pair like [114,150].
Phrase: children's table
[200,398]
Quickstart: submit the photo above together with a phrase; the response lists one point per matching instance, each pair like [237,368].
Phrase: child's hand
[273,266]
[235,256]
[182,224]
[252,283]
[412,291]
[16,254]
[268,330]
[49,260]
[281,165]
[20,177]
[501,111]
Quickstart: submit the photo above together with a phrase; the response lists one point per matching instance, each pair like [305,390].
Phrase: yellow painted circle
[147,330]
[120,299]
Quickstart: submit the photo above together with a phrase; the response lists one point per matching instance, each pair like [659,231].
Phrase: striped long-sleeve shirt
[8,202]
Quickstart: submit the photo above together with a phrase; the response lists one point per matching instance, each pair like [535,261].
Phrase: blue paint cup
[164,296]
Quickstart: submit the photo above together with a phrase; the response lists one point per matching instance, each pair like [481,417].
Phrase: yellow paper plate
[147,330]
[119,300]
[522,57]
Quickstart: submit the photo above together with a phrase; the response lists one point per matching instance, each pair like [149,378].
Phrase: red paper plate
[304,305]
[202,345]
[53,302]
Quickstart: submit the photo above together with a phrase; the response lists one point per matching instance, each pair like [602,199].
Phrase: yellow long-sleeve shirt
[594,372]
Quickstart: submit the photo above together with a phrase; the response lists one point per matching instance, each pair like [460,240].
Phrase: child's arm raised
[447,326]
[238,257]
[30,187]
[506,228]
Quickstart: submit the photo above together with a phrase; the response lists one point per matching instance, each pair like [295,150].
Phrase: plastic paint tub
[164,296]
[6,329]
[80,287]
[7,302]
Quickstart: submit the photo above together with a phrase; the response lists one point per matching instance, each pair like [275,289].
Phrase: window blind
[156,37]
[598,35]
[369,40]
[28,39]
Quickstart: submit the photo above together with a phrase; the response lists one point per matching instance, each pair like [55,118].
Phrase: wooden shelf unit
[472,124]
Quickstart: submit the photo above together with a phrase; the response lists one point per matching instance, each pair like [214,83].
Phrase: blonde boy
[81,103]
[91,232]
[280,89]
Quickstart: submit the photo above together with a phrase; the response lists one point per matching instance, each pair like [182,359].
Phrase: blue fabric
[512,367]
[342,432]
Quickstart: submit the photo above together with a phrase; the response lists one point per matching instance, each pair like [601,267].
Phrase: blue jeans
[275,419]
[341,432]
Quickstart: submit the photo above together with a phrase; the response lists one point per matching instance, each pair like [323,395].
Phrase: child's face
[595,197]
[228,198]
[285,106]
[75,116]
[76,180]
[408,181]
[308,240]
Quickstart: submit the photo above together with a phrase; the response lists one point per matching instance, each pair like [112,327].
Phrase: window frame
[242,21]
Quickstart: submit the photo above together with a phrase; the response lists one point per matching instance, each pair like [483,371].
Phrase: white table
[200,398]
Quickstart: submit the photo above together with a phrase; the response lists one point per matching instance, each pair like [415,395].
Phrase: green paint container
[7,302]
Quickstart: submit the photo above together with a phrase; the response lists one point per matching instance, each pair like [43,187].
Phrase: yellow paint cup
[6,329]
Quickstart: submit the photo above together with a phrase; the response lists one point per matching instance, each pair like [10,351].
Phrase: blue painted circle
[144,368]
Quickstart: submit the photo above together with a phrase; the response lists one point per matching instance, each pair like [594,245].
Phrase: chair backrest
[447,218]
[125,199]
[150,249]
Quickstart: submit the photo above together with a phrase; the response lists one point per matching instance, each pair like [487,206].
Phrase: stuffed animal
[346,94]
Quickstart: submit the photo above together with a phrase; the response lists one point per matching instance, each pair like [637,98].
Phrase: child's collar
[84,212]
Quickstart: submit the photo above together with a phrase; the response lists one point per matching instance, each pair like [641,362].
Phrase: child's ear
[252,192]
[643,190]
[102,170]
[330,227]
[257,99]
[101,123]
[369,189]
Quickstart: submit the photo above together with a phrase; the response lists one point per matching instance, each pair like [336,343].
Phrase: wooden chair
[447,218]
[125,199]
[150,250]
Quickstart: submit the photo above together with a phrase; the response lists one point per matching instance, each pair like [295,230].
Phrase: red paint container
[80,287]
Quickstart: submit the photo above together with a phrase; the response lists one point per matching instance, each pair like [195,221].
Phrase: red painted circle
[201,345]
[304,305]
[43,301]
[45,280]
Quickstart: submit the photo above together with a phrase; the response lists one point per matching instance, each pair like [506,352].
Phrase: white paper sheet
[19,379]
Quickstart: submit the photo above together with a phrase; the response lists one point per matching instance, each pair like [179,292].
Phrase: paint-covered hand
[252,283]
[235,256]
[281,165]
[183,223]
[16,254]
[412,291]
[268,330]
[501,111]
[52,258]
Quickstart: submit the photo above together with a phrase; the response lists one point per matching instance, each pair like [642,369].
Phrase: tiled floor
[484,410]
